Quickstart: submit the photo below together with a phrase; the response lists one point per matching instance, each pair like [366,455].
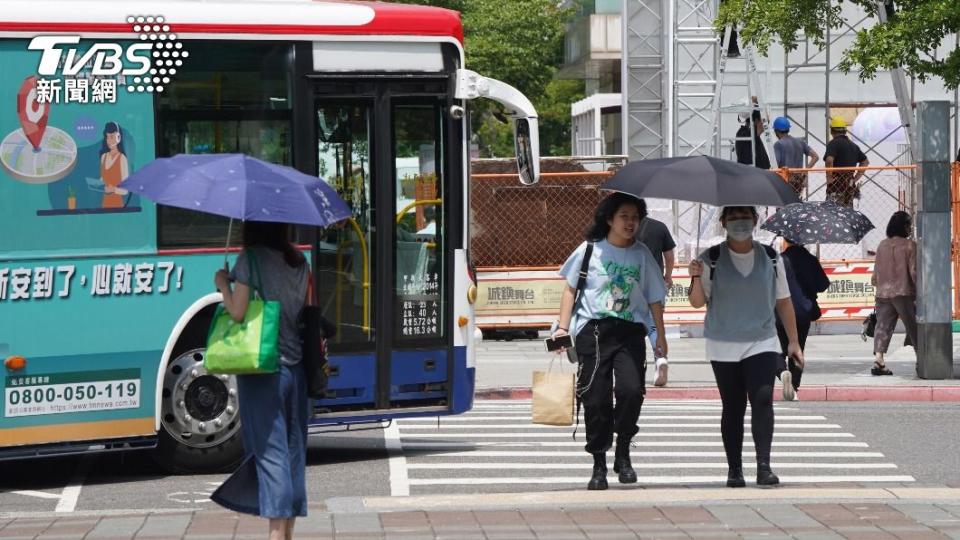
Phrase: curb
[806,393]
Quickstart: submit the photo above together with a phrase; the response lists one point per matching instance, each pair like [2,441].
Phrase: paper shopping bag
[553,398]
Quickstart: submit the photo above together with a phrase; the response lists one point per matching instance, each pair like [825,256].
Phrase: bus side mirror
[527,145]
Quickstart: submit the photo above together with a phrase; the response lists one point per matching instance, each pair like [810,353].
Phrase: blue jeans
[271,482]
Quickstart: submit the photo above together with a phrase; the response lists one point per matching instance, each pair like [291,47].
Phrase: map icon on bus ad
[36,153]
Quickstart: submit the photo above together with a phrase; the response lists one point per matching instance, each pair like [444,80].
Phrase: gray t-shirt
[280,283]
[656,236]
[790,152]
[621,283]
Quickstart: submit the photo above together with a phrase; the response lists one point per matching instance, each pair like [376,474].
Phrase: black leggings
[750,378]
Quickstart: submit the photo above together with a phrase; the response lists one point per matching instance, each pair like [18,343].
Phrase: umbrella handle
[696,252]
[226,250]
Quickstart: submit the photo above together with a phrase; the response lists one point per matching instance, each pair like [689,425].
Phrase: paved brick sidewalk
[815,520]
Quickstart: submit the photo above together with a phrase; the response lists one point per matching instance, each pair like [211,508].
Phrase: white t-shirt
[734,351]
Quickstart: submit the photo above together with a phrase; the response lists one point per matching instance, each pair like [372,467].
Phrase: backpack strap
[713,254]
[772,254]
[584,270]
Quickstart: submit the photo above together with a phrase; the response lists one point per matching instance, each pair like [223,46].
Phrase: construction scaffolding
[700,98]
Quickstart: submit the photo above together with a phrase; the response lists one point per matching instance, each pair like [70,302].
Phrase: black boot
[765,476]
[735,477]
[599,479]
[621,463]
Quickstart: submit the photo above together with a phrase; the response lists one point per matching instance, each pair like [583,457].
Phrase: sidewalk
[853,513]
[838,369]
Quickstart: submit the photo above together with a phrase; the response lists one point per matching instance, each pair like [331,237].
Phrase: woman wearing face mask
[624,288]
[742,285]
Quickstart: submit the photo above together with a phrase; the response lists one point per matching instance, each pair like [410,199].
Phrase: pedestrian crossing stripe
[645,444]
[648,480]
[679,443]
[642,424]
[640,465]
[471,418]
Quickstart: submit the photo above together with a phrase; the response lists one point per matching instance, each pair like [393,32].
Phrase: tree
[909,39]
[519,42]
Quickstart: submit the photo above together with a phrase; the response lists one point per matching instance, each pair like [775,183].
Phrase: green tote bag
[248,347]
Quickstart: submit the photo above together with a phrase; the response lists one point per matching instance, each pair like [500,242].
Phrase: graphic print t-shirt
[621,283]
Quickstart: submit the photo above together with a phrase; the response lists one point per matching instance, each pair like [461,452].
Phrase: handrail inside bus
[424,202]
[366,276]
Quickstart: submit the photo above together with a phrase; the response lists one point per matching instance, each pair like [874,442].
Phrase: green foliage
[519,42]
[909,39]
[554,110]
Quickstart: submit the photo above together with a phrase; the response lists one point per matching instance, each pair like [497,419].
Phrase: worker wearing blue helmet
[790,152]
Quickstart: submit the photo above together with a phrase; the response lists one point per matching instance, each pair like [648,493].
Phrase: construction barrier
[530,297]
[522,234]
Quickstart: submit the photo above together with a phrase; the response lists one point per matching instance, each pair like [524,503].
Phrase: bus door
[383,277]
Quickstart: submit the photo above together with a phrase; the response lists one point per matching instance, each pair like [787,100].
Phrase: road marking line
[645,444]
[642,426]
[527,418]
[535,453]
[657,434]
[438,434]
[397,462]
[665,465]
[648,480]
[38,494]
[71,493]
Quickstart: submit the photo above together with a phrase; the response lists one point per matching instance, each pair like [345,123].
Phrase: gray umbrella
[702,179]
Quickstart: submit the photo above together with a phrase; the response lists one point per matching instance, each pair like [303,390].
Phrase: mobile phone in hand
[560,342]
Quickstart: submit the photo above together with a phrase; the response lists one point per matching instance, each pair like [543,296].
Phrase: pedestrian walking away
[790,152]
[842,186]
[806,279]
[624,289]
[656,236]
[274,409]
[748,142]
[744,289]
[895,279]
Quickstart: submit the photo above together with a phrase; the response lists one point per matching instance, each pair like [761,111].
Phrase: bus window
[229,98]
[419,257]
[344,258]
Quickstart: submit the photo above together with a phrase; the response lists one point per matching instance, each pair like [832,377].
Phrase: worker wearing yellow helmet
[842,186]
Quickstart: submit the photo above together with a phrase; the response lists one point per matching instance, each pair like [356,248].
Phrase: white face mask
[740,229]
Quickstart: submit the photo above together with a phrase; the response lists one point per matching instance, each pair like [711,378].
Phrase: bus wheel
[200,418]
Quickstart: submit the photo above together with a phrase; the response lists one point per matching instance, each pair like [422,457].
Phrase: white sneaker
[662,368]
[789,392]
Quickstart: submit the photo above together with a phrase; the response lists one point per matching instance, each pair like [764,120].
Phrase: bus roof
[189,18]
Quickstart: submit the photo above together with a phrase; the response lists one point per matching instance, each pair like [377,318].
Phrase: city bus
[106,298]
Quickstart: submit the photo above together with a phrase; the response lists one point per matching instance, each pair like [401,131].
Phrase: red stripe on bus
[419,25]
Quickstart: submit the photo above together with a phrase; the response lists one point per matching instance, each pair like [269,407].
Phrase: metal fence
[518,226]
[530,226]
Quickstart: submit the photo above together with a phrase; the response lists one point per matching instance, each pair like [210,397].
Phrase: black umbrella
[822,222]
[702,179]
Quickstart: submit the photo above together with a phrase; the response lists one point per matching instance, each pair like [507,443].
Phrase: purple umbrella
[238,186]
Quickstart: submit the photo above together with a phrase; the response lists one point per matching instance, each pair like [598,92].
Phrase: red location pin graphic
[33,115]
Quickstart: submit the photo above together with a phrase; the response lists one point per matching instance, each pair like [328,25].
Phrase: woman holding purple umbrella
[273,407]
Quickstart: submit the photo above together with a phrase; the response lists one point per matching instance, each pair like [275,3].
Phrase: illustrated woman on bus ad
[114,167]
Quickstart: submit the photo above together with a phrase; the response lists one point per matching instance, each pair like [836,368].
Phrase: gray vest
[742,308]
